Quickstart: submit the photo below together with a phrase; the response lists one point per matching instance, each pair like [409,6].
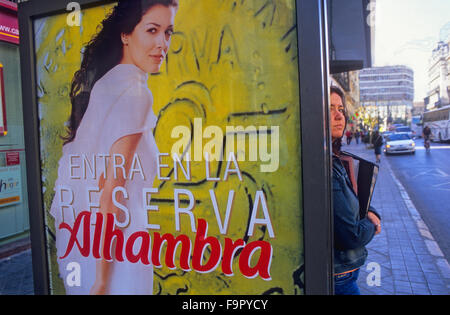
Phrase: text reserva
[107,229]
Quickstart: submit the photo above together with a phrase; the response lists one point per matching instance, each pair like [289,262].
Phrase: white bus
[438,120]
[416,126]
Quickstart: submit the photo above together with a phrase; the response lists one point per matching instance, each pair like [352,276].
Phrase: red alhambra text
[219,253]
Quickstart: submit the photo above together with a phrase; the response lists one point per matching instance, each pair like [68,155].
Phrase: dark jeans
[346,284]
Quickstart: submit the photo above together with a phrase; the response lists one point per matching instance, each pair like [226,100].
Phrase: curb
[15,247]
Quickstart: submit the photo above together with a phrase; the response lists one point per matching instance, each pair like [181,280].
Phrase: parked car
[405,129]
[399,143]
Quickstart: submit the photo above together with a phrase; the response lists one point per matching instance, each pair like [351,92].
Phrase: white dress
[120,104]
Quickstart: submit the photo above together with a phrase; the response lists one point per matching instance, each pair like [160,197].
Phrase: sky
[406,32]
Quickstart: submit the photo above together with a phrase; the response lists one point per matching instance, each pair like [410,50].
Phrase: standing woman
[351,233]
[377,144]
[110,125]
[349,136]
[357,136]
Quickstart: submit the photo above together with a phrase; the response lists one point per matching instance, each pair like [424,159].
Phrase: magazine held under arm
[366,174]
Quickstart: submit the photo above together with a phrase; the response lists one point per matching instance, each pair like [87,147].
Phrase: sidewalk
[405,253]
[16,273]
[408,258]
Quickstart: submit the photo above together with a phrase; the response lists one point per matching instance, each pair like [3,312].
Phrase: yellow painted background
[230,63]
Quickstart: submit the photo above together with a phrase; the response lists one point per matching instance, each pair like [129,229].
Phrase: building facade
[14,218]
[439,76]
[387,94]
[418,108]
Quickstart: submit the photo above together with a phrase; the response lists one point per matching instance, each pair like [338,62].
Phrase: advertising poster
[10,184]
[170,147]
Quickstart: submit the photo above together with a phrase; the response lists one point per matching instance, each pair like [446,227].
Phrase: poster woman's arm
[126,146]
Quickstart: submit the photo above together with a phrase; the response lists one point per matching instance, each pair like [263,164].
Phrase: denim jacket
[351,233]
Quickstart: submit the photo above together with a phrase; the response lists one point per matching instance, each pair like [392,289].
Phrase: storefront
[14,220]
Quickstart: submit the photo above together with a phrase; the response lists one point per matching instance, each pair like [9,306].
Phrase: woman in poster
[109,143]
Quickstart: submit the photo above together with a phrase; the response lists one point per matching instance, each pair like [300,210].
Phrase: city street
[411,260]
[426,178]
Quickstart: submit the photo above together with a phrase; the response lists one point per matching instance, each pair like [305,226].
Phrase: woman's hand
[375,220]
